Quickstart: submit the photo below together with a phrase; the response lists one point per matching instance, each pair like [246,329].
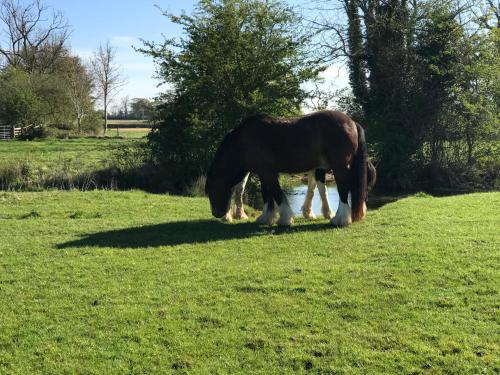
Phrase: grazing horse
[267,146]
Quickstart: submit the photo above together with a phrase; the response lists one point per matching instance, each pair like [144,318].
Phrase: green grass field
[87,152]
[129,282]
[64,163]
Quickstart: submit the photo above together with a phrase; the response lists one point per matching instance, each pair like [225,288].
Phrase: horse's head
[224,173]
[219,193]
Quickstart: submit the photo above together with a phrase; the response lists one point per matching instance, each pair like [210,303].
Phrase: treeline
[134,109]
[425,79]
[43,87]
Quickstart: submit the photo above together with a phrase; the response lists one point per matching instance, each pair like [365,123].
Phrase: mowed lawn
[129,282]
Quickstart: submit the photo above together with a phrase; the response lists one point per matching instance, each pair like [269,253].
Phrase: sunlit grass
[101,282]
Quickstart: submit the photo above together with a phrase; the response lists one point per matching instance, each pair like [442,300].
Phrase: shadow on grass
[183,232]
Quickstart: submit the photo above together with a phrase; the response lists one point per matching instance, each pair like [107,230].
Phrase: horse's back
[298,144]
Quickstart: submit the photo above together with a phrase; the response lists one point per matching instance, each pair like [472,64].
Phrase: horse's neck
[231,166]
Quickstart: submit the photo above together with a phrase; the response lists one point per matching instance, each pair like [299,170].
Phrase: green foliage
[237,58]
[143,109]
[20,102]
[59,97]
[129,282]
[429,89]
[40,101]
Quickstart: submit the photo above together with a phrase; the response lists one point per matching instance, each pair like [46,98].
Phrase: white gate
[9,132]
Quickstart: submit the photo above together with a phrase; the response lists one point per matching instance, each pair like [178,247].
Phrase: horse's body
[268,146]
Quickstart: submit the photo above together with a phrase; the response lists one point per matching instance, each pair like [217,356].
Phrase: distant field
[84,152]
[130,132]
[129,123]
[129,282]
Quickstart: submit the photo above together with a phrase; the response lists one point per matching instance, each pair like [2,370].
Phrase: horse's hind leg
[268,215]
[343,215]
[238,197]
[307,211]
[320,175]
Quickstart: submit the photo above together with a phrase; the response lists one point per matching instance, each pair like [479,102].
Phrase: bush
[238,58]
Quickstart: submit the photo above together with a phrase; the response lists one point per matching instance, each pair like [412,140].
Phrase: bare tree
[125,103]
[107,76]
[320,97]
[32,40]
[79,87]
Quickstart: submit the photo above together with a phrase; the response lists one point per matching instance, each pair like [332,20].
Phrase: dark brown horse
[268,146]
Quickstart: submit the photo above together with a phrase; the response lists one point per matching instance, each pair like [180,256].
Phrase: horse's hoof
[339,223]
[328,214]
[285,222]
[308,214]
[240,215]
[228,218]
[260,220]
[266,220]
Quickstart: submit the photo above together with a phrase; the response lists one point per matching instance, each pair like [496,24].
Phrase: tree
[237,58]
[423,74]
[125,104]
[33,40]
[79,87]
[142,108]
[107,76]
[19,102]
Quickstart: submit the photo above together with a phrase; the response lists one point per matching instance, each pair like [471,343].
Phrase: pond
[297,194]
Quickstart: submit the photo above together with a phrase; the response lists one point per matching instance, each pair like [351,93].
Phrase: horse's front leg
[307,211]
[320,175]
[268,215]
[238,197]
[343,216]
[285,212]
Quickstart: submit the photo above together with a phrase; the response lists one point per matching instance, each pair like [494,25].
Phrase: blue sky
[123,23]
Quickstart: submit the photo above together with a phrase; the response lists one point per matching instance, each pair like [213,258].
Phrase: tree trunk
[105,114]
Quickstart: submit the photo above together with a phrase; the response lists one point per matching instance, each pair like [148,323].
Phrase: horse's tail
[359,184]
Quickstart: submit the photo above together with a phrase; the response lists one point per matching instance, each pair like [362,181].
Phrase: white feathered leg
[325,203]
[238,197]
[268,215]
[342,216]
[307,211]
[286,213]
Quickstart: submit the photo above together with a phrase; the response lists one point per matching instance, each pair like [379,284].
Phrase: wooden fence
[9,132]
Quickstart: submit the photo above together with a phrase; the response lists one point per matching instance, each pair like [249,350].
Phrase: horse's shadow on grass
[182,232]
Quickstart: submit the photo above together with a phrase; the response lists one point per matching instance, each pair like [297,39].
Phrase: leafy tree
[79,86]
[20,104]
[142,109]
[238,57]
[425,74]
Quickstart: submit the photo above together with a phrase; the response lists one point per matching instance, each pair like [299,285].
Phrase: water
[297,195]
